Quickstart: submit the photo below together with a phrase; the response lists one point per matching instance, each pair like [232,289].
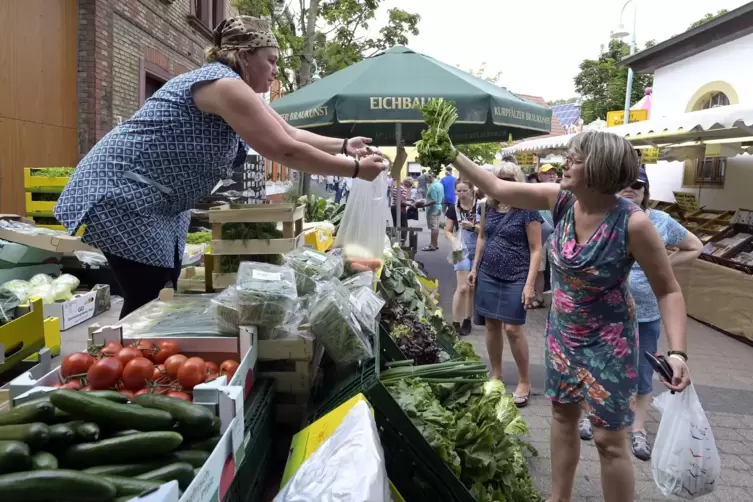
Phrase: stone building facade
[128,48]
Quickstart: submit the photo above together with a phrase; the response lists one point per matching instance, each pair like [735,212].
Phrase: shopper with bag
[592,352]
[507,259]
[461,229]
[134,190]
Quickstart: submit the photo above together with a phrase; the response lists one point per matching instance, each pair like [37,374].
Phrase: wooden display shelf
[724,254]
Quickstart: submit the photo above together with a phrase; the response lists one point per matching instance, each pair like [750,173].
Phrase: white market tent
[729,126]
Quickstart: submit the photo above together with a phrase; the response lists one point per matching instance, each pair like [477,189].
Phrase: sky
[538,44]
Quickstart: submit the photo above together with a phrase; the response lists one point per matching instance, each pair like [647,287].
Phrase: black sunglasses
[637,185]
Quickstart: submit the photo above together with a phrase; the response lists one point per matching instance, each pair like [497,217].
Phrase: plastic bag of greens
[348,465]
[44,292]
[19,288]
[360,280]
[266,293]
[40,280]
[296,323]
[311,266]
[8,303]
[67,280]
[366,305]
[335,326]
[60,292]
[225,306]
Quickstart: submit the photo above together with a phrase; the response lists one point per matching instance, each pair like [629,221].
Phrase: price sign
[525,159]
[650,155]
[687,201]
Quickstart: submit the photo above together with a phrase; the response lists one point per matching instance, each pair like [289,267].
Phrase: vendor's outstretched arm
[324,143]
[520,195]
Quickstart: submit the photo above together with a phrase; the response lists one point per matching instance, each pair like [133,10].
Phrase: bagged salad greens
[8,303]
[225,306]
[359,280]
[311,266]
[335,325]
[366,305]
[19,288]
[266,293]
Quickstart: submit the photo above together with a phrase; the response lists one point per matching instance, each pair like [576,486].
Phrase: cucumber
[195,433]
[107,413]
[126,432]
[51,486]
[35,434]
[42,460]
[110,395]
[86,432]
[14,456]
[182,472]
[129,486]
[61,436]
[37,411]
[121,450]
[207,445]
[196,458]
[188,414]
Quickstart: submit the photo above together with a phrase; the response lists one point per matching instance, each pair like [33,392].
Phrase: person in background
[347,185]
[647,307]
[463,218]
[510,158]
[423,185]
[547,174]
[507,258]
[591,346]
[339,189]
[434,199]
[405,203]
[330,183]
[135,189]
[448,184]
[413,189]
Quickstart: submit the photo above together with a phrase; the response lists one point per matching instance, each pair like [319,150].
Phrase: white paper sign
[265,276]
[356,302]
[315,256]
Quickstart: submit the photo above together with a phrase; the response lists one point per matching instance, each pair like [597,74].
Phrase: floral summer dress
[592,342]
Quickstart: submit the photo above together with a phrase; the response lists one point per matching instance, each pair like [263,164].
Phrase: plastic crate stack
[259,414]
[43,188]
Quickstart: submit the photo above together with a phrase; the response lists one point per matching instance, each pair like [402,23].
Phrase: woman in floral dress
[592,350]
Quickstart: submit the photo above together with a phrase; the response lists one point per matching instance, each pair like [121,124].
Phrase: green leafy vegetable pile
[228,264]
[416,340]
[53,172]
[400,282]
[335,326]
[320,209]
[247,231]
[199,238]
[475,429]
[435,149]
[266,293]
[311,266]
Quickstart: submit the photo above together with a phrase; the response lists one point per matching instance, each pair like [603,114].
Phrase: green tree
[603,84]
[327,35]
[483,153]
[708,17]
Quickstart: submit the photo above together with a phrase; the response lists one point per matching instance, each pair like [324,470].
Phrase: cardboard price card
[687,201]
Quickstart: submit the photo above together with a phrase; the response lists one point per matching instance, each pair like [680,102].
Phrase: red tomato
[127,393]
[212,367]
[165,350]
[192,373]
[229,368]
[137,373]
[179,395]
[147,349]
[173,364]
[127,354]
[142,391]
[156,374]
[73,385]
[104,373]
[76,364]
[110,349]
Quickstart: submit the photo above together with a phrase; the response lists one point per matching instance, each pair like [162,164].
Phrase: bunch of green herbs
[199,238]
[229,264]
[415,339]
[321,209]
[266,293]
[435,149]
[311,266]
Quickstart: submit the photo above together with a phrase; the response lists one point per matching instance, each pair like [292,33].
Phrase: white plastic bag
[364,222]
[458,251]
[349,465]
[684,462]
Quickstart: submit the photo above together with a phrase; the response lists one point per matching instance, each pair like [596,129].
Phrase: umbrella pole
[398,179]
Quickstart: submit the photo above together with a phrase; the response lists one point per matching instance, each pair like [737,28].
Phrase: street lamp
[618,34]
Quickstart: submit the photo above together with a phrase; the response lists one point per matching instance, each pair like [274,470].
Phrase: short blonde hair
[229,57]
[506,170]
[610,161]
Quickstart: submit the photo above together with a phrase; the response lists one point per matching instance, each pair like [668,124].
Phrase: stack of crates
[43,187]
[259,415]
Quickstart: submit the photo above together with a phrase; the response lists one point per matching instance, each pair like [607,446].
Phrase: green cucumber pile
[75,446]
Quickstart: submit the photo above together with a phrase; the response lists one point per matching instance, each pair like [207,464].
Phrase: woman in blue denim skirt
[647,307]
[508,254]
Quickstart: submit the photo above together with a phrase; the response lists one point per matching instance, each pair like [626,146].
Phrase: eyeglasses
[637,185]
[572,160]
[507,179]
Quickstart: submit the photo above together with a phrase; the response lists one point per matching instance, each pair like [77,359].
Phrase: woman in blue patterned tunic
[135,188]
[592,349]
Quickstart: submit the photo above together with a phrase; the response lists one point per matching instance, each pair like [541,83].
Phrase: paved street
[722,375]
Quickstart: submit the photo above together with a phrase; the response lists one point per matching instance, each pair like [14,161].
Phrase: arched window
[714,100]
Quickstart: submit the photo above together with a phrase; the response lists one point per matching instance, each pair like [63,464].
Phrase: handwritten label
[316,256]
[265,276]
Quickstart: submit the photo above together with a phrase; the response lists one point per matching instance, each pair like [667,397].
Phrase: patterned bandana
[243,32]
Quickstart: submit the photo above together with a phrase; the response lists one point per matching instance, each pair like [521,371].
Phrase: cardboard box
[80,308]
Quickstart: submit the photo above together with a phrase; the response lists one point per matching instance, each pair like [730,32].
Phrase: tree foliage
[327,35]
[602,84]
[483,153]
[708,17]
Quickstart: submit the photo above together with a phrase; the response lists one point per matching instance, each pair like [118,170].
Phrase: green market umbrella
[376,98]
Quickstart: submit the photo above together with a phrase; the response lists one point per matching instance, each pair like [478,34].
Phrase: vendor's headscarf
[243,32]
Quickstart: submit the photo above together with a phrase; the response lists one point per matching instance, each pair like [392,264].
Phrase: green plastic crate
[389,351]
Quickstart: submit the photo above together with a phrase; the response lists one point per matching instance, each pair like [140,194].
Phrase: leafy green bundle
[417,340]
[474,428]
[320,209]
[266,293]
[435,148]
[199,238]
[53,172]
[311,266]
[335,326]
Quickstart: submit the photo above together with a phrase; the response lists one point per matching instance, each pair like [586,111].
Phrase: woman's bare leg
[538,286]
[469,303]
[565,445]
[460,298]
[494,346]
[516,336]
[617,476]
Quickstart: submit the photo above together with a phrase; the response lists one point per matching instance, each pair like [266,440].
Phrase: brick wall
[120,42]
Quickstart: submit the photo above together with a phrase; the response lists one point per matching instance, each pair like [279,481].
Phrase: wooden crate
[290,215]
[290,362]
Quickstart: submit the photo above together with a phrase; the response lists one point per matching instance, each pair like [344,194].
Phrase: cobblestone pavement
[722,371]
